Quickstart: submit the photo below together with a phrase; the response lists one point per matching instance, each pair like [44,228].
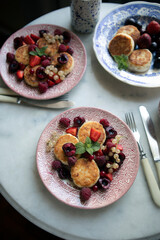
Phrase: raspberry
[32,47]
[153,28]
[100,160]
[78,121]
[69,149]
[62,48]
[56,165]
[71,161]
[45,63]
[10,57]
[85,193]
[65,122]
[57,32]
[42,86]
[104,122]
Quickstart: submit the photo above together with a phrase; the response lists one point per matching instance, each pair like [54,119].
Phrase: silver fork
[153,186]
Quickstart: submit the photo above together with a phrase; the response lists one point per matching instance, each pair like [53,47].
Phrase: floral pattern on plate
[106,29]
[60,89]
[62,189]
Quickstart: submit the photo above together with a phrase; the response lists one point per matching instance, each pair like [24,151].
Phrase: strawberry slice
[20,74]
[94,134]
[50,83]
[109,176]
[72,131]
[34,37]
[119,146]
[57,81]
[34,60]
[29,40]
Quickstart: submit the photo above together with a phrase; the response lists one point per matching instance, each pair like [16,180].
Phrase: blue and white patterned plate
[106,29]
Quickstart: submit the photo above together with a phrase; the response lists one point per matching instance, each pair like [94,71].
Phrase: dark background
[13,16]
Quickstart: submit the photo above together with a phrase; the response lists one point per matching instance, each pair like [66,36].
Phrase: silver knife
[54,104]
[150,132]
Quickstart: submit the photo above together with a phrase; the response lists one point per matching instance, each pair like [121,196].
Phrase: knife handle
[8,99]
[158,168]
[153,186]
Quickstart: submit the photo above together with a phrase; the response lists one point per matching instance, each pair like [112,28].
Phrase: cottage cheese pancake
[52,48]
[58,151]
[130,30]
[85,129]
[30,78]
[85,173]
[22,55]
[120,44]
[140,60]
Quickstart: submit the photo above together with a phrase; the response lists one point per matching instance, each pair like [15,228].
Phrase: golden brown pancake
[85,129]
[22,55]
[85,173]
[52,48]
[58,151]
[31,79]
[67,67]
[120,44]
[130,30]
[140,60]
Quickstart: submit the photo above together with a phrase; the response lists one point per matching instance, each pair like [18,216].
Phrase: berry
[63,173]
[72,130]
[130,21]
[50,83]
[29,40]
[153,28]
[65,122]
[10,57]
[20,74]
[144,41]
[110,145]
[62,48]
[13,66]
[95,188]
[70,51]
[40,72]
[66,37]
[56,165]
[34,60]
[18,42]
[44,57]
[104,122]
[153,47]
[138,24]
[42,86]
[32,47]
[85,193]
[69,149]
[34,37]
[45,63]
[21,66]
[31,71]
[104,183]
[110,132]
[78,121]
[109,176]
[63,59]
[157,63]
[71,161]
[94,134]
[57,32]
[90,157]
[41,32]
[100,160]
[102,173]
[122,156]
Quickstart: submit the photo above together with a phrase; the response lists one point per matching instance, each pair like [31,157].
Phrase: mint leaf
[95,146]
[39,51]
[80,148]
[88,141]
[122,61]
[89,150]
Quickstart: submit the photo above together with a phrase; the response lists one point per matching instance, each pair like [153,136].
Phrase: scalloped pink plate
[65,86]
[65,192]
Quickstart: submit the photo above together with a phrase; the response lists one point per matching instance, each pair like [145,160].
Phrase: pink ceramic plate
[122,180]
[65,86]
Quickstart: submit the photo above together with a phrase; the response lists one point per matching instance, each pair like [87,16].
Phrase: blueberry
[153,46]
[157,63]
[130,21]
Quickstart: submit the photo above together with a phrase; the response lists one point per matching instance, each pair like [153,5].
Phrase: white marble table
[134,216]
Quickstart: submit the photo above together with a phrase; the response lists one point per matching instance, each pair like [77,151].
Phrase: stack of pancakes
[85,173]
[124,43]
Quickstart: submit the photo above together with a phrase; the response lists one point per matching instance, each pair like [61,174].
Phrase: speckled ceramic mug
[85,14]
